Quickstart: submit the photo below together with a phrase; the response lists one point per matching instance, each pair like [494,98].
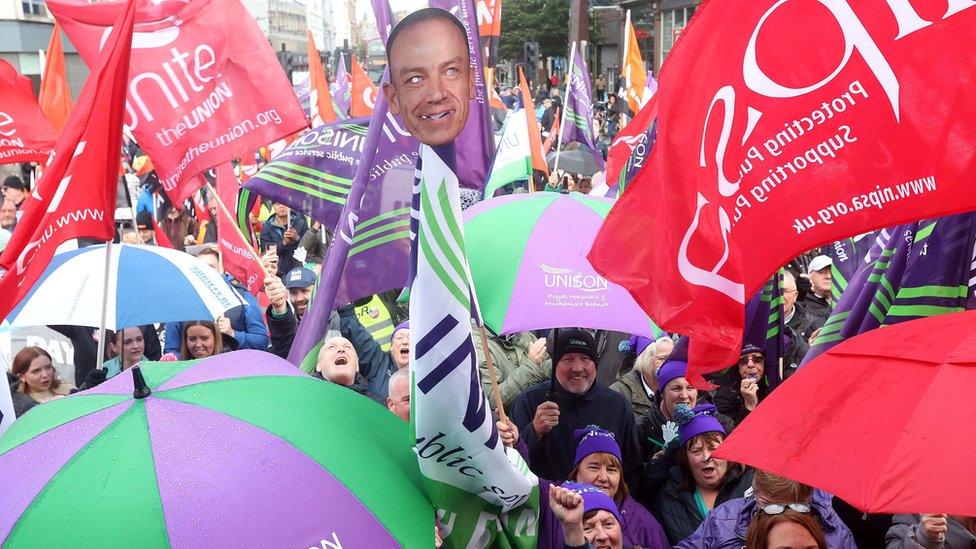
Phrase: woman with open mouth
[698,483]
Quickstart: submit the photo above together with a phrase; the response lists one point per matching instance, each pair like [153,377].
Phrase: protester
[283,231]
[314,244]
[14,190]
[726,526]
[398,389]
[8,215]
[931,531]
[520,361]
[818,301]
[128,345]
[794,325]
[588,517]
[699,482]
[144,224]
[600,88]
[547,414]
[37,380]
[548,114]
[745,386]
[338,363]
[780,526]
[200,339]
[179,227]
[638,385]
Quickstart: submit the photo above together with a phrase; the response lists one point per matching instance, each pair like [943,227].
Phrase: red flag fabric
[247,166]
[794,123]
[200,210]
[321,99]
[363,91]
[632,135]
[205,82]
[25,134]
[55,95]
[237,260]
[553,133]
[535,136]
[160,234]
[76,195]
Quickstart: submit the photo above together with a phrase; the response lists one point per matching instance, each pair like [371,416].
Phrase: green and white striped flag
[483,492]
[513,159]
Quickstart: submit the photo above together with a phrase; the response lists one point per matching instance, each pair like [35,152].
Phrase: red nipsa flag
[76,195]
[784,126]
[205,83]
[25,134]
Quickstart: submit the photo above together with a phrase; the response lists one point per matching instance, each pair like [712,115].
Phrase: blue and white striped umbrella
[146,285]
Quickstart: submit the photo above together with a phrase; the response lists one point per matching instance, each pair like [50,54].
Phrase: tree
[545,21]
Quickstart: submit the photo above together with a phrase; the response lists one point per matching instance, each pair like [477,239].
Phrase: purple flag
[578,110]
[848,256]
[925,268]
[475,146]
[343,89]
[370,253]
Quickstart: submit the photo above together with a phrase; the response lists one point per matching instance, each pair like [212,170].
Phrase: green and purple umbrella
[236,450]
[527,254]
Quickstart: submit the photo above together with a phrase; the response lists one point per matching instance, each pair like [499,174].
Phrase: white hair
[401,373]
[645,360]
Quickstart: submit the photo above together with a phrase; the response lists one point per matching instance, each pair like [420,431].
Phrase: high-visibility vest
[375,317]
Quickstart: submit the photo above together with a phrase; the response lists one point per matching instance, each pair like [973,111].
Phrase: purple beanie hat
[669,371]
[594,498]
[592,440]
[405,325]
[635,345]
[696,421]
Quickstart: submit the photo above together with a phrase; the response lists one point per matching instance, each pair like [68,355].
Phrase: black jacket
[360,385]
[552,456]
[817,311]
[676,510]
[728,397]
[274,235]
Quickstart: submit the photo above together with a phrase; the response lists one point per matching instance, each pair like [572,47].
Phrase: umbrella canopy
[883,420]
[236,450]
[575,161]
[527,254]
[147,284]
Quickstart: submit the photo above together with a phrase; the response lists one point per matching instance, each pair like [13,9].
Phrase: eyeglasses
[779,508]
[756,359]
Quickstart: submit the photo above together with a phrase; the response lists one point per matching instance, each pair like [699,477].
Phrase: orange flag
[635,76]
[535,137]
[319,96]
[55,95]
[363,91]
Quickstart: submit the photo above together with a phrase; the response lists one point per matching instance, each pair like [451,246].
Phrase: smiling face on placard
[431,83]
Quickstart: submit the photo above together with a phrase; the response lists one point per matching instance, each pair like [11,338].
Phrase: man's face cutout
[431,82]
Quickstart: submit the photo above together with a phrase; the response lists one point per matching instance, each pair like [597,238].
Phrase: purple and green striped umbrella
[236,450]
[527,254]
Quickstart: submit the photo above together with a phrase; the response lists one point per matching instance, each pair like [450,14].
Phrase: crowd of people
[623,462]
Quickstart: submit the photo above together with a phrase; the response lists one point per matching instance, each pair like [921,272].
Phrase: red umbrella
[885,420]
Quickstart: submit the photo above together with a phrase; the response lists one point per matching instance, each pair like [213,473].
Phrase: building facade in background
[25,29]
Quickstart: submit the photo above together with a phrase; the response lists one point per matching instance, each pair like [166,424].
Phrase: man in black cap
[144,223]
[14,190]
[547,414]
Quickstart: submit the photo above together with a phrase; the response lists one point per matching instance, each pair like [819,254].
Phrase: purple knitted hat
[592,440]
[594,498]
[696,421]
[635,345]
[669,371]
[405,325]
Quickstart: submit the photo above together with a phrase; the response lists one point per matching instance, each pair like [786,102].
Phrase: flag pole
[100,362]
[247,242]
[495,392]
[623,65]
[562,123]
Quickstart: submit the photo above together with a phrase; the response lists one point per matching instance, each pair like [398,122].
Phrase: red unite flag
[76,195]
[205,83]
[784,126]
[237,259]
[25,134]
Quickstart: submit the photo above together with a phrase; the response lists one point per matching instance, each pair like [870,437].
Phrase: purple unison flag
[315,173]
[475,146]
[924,269]
[373,230]
[578,110]
[640,154]
[343,88]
